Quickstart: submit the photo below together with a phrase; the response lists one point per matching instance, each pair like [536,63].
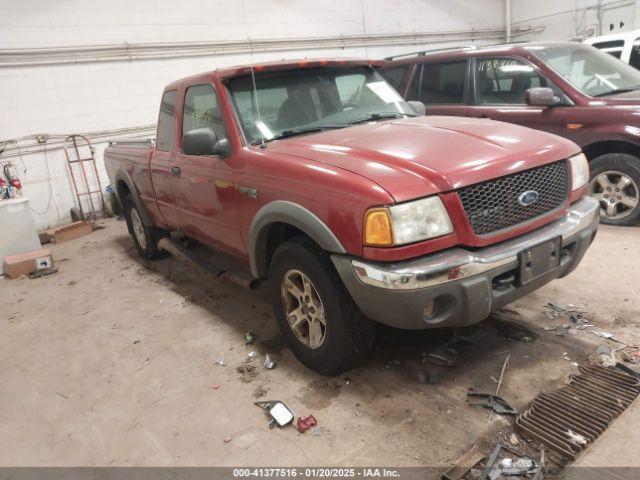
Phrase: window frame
[564,100]
[418,73]
[173,120]
[222,114]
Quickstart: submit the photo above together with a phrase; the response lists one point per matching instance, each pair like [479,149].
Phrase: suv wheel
[321,324]
[145,238]
[615,182]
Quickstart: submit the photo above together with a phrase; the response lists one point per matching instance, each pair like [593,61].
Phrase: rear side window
[612,47]
[165,121]
[394,75]
[202,110]
[439,83]
[502,81]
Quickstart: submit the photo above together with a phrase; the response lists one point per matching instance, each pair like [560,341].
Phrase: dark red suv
[569,89]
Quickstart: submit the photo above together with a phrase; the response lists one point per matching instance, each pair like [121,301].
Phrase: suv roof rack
[453,49]
[424,52]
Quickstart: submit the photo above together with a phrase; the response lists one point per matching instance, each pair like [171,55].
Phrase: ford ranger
[319,177]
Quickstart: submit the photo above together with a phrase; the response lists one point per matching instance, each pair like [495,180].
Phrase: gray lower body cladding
[421,293]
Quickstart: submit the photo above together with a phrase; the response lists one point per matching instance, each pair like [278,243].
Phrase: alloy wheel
[617,193]
[303,309]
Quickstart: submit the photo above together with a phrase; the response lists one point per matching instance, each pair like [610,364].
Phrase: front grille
[494,205]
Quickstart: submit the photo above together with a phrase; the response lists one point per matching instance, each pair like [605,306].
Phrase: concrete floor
[111,361]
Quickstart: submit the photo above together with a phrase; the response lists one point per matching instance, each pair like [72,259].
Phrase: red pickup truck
[319,177]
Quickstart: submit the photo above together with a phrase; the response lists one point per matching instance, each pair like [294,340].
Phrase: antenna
[257,104]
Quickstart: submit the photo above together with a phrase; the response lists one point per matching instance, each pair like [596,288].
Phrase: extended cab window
[165,121]
[502,81]
[202,110]
[439,83]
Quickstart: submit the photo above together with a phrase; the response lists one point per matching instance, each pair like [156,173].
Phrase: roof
[238,70]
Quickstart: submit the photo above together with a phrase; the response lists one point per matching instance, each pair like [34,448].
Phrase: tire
[144,238]
[615,182]
[347,335]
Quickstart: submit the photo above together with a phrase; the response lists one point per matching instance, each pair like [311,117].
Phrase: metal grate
[567,420]
[494,205]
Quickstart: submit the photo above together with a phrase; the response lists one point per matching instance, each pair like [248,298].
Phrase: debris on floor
[491,401]
[43,272]
[280,414]
[304,424]
[568,419]
[251,355]
[249,337]
[269,364]
[447,355]
[221,362]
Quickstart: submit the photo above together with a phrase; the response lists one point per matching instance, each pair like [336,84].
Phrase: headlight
[407,223]
[579,171]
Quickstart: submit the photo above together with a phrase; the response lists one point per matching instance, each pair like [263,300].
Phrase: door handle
[176,171]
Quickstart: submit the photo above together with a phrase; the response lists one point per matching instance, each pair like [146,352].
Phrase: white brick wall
[557,18]
[77,98]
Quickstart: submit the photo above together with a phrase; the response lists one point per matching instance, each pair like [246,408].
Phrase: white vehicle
[623,45]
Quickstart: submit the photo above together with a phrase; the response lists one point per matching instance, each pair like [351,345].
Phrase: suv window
[502,81]
[202,110]
[165,121]
[439,83]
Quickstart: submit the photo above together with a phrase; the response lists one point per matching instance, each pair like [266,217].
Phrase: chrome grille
[494,205]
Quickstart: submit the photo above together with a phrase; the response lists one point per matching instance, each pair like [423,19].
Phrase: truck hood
[421,156]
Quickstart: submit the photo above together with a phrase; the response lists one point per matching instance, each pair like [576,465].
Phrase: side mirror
[204,141]
[417,107]
[540,96]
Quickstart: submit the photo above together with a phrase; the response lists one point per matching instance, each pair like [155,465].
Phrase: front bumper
[459,287]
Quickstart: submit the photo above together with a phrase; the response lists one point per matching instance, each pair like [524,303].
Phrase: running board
[221,267]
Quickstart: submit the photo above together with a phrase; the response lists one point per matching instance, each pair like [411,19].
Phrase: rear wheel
[321,324]
[615,183]
[145,238]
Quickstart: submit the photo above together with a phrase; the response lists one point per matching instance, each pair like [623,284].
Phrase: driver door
[204,187]
[499,87]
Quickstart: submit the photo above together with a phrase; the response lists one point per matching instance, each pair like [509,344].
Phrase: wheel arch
[602,147]
[279,220]
[125,187]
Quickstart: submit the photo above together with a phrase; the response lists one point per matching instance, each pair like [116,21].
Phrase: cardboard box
[69,232]
[25,263]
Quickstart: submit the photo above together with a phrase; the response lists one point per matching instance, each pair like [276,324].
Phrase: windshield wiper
[381,116]
[617,90]
[292,132]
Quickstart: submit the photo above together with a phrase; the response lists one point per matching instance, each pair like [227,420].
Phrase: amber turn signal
[377,228]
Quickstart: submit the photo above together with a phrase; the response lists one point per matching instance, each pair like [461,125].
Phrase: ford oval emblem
[528,198]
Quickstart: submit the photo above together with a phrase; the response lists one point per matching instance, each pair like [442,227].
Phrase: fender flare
[281,211]
[122,176]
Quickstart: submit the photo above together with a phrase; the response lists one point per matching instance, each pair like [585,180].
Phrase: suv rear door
[441,86]
[499,86]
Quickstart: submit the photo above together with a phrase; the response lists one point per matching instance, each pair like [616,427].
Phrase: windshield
[312,99]
[590,70]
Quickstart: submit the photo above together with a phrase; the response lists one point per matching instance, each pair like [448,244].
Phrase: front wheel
[322,326]
[615,183]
